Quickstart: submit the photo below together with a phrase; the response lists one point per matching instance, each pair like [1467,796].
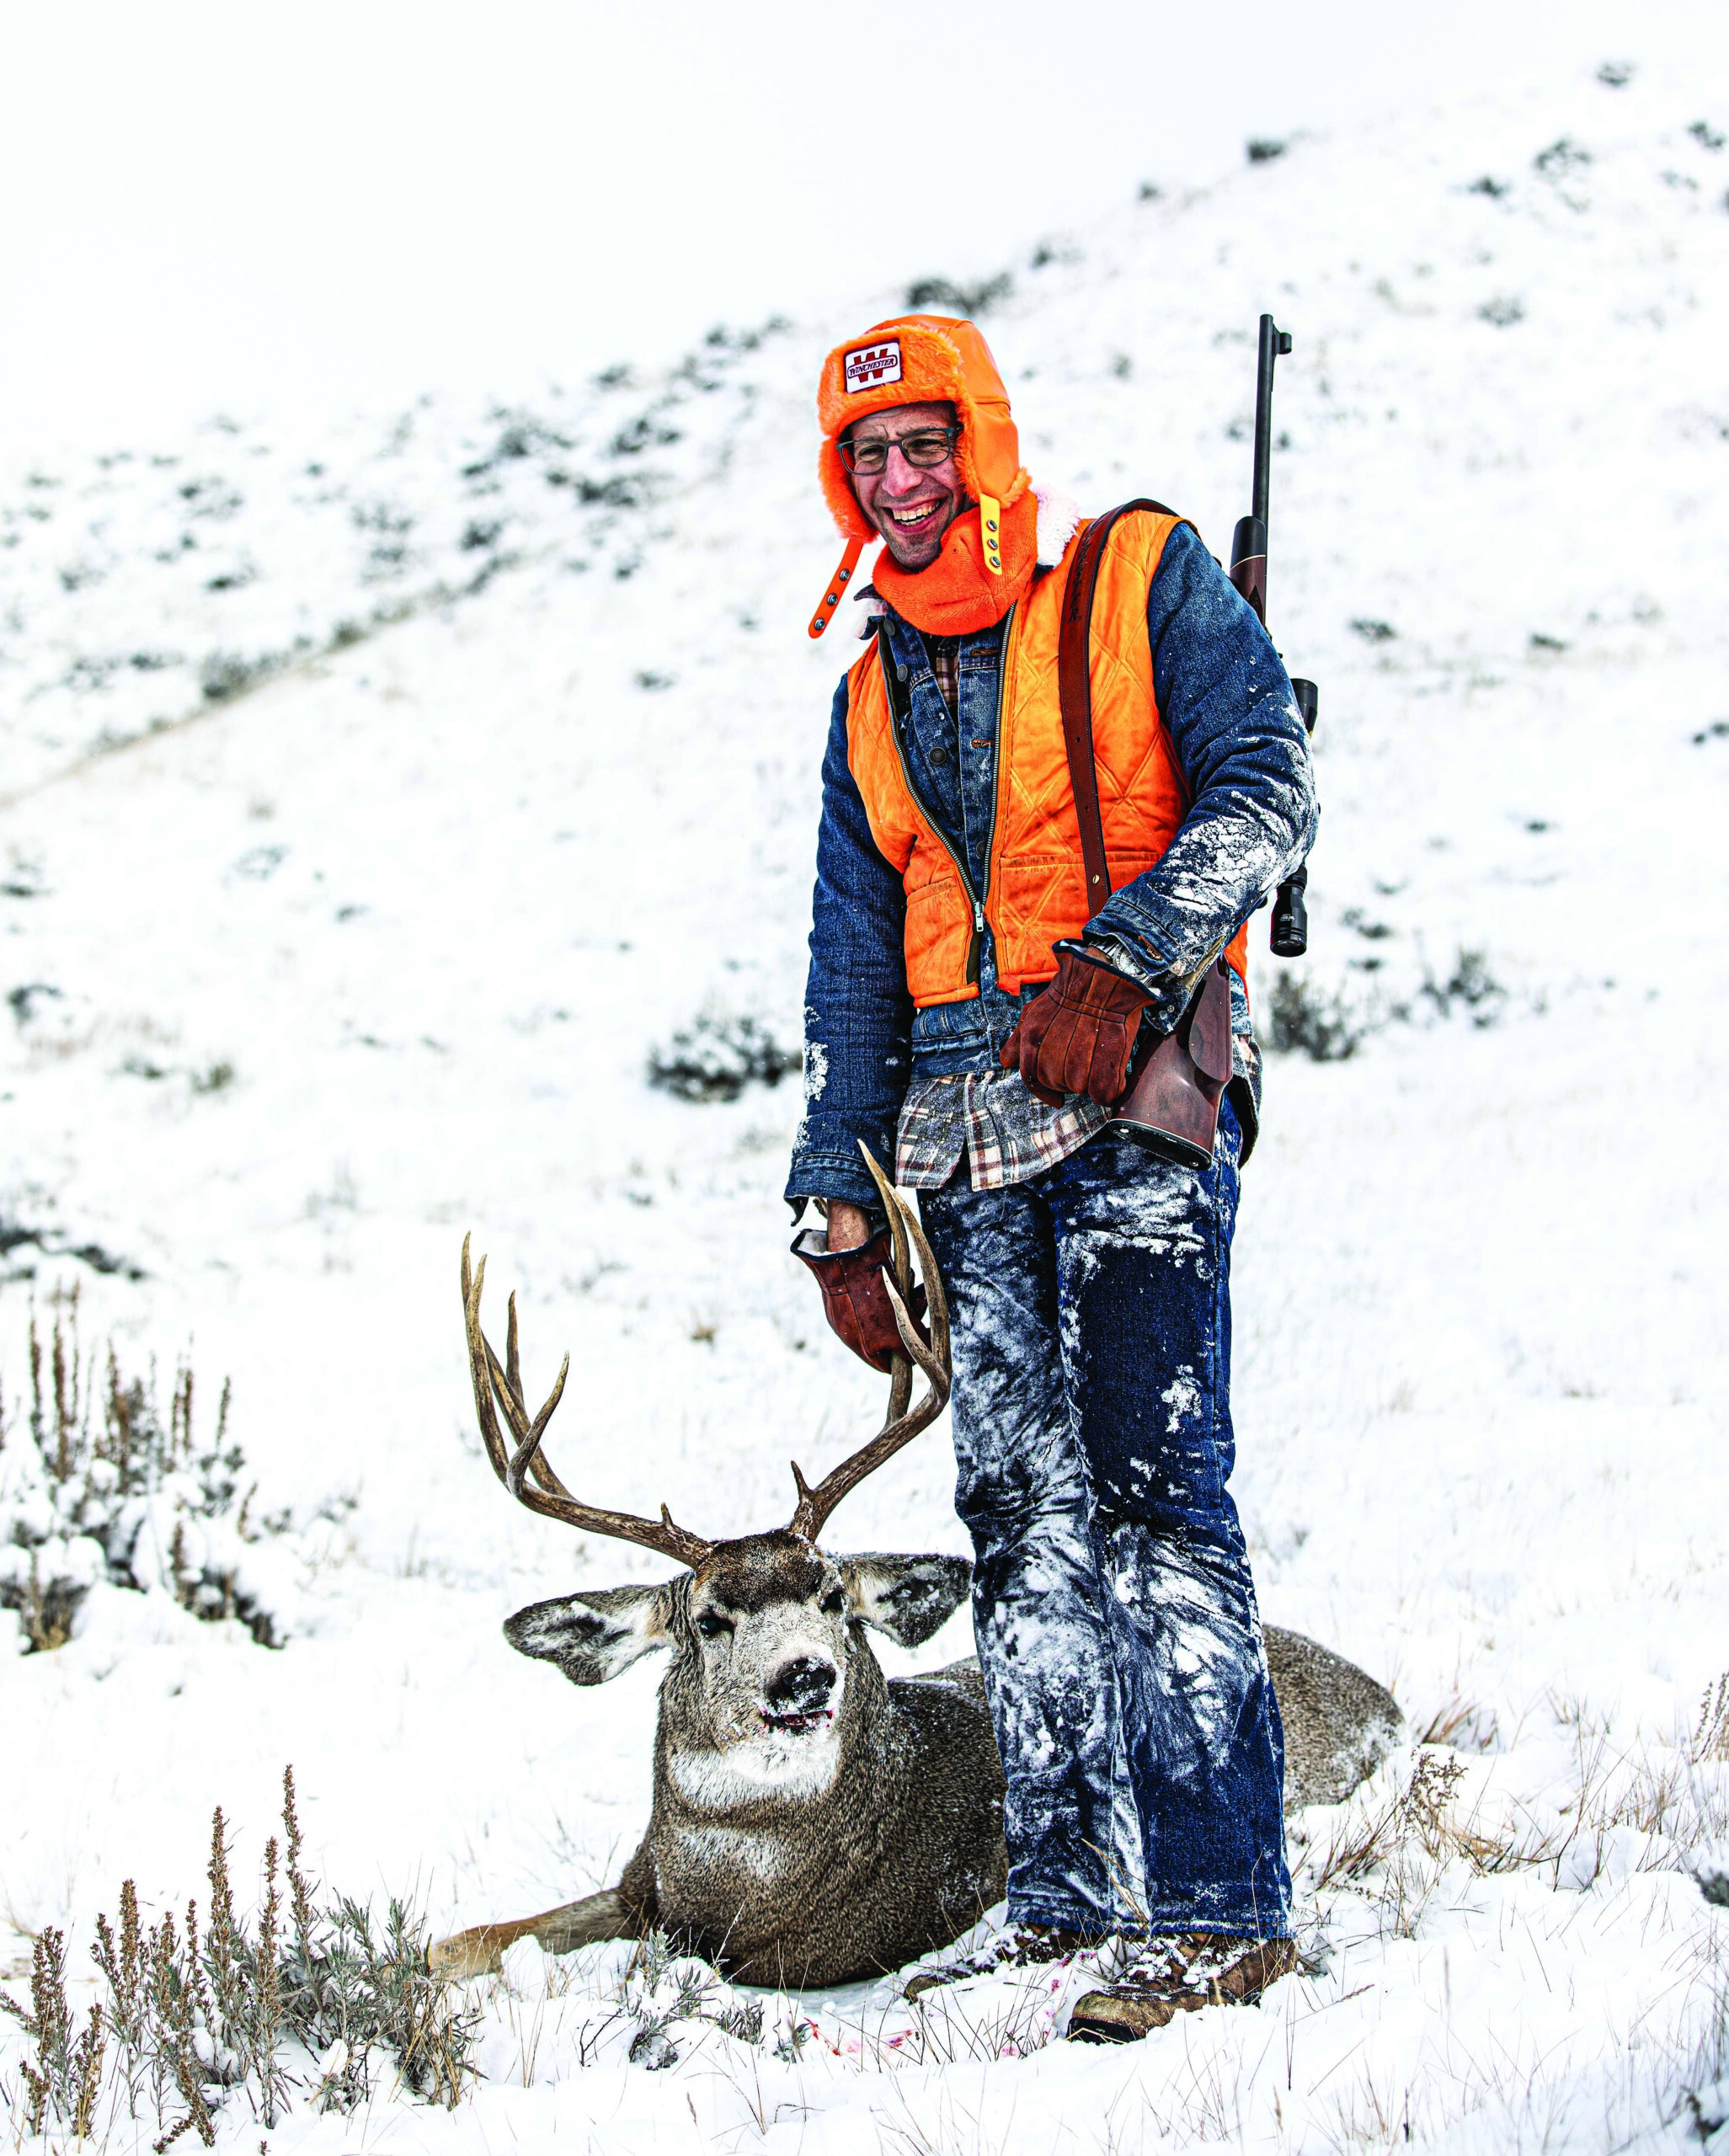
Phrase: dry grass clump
[64,2077]
[309,1998]
[1394,1852]
[1463,1727]
[1710,1728]
[98,1483]
[666,1998]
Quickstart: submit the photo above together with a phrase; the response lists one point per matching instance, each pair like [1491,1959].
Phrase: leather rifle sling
[1165,1109]
[1074,694]
[1075,700]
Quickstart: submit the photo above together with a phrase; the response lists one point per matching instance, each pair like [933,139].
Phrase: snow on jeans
[1116,1619]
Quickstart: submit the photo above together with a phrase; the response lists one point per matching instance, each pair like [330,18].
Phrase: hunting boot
[1178,1973]
[1016,1946]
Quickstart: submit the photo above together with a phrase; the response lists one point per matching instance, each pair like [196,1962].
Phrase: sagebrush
[309,2000]
[718,1055]
[98,1484]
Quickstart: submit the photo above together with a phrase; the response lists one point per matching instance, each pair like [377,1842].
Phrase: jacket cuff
[875,1219]
[821,1174]
[1167,997]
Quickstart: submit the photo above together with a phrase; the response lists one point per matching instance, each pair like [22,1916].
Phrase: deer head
[764,1631]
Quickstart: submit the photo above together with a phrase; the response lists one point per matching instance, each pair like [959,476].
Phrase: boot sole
[1099,2019]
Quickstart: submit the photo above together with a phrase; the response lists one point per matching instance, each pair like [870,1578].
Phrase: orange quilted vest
[1035,891]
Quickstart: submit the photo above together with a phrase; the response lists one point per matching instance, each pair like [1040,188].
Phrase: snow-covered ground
[374,805]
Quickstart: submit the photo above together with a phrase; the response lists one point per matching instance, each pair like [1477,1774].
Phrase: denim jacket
[1226,703]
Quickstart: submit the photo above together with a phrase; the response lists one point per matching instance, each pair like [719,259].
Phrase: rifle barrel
[1274,342]
[1248,573]
[1248,546]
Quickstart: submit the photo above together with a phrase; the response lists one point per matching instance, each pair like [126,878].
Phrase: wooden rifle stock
[1171,1107]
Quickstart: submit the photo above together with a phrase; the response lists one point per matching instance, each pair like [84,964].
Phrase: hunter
[970,1011]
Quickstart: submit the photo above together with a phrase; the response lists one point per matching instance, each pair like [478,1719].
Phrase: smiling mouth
[799,1724]
[910,519]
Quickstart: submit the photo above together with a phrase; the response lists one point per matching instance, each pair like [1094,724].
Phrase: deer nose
[801,1687]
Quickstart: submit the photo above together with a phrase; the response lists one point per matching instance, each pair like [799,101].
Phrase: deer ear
[907,1598]
[594,1635]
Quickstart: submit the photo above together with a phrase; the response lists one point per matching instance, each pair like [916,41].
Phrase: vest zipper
[1002,669]
[976,942]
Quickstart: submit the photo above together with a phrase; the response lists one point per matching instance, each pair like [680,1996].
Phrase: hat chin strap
[837,584]
[990,531]
[986,567]
[961,564]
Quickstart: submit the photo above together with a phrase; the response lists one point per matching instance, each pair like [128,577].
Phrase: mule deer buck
[813,1822]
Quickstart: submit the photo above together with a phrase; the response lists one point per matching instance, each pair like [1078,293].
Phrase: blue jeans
[1115,1620]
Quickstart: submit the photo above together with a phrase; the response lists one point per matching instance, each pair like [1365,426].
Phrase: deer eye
[833,1603]
[710,1626]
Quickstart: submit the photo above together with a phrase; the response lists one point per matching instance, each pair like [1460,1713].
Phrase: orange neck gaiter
[957,595]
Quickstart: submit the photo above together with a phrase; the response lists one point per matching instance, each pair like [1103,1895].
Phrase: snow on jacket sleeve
[857,1013]
[1226,701]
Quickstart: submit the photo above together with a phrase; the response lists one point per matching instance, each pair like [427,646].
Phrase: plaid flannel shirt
[1006,1133]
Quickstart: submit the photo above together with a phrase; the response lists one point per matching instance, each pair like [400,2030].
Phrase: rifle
[1171,1107]
[1248,573]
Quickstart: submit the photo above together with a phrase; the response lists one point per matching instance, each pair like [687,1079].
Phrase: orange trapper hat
[915,358]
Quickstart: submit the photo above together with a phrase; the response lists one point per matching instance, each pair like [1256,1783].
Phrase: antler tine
[497,1451]
[507,1388]
[816,1504]
[495,1380]
[490,1382]
[511,1378]
[512,1365]
[900,1370]
[527,1452]
[937,1302]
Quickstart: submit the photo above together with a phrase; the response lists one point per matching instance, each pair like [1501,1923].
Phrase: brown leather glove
[1078,1035]
[854,1300]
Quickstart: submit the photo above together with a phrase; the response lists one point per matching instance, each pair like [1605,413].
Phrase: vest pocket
[939,933]
[1046,894]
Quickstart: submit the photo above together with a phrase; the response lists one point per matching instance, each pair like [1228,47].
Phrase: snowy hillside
[376,805]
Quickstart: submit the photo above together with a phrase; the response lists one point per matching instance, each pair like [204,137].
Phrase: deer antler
[504,1381]
[815,1505]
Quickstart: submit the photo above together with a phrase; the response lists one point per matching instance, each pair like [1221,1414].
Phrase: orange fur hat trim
[919,358]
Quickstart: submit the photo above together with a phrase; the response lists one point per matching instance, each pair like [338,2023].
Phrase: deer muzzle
[797,1696]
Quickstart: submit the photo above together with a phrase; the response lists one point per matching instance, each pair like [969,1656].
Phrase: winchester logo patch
[872,364]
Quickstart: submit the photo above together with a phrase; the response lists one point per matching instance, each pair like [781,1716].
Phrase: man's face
[911,505]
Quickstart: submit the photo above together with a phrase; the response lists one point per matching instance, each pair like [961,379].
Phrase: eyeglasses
[929,446]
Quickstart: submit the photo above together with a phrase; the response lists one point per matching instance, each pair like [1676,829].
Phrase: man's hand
[849,1225]
[1079,1035]
[855,1299]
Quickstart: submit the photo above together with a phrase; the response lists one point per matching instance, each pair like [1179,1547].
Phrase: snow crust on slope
[437,888]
